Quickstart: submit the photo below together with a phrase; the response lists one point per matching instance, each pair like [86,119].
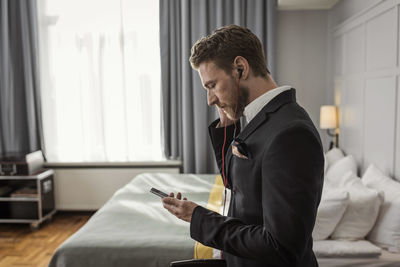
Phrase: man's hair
[225,44]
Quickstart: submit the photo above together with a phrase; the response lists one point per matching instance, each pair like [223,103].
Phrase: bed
[133,229]
[353,253]
[386,259]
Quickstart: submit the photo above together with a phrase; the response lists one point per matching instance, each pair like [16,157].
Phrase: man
[276,174]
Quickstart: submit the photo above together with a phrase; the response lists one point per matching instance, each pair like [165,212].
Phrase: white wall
[89,187]
[346,9]
[342,11]
[305,53]
[301,55]
[366,73]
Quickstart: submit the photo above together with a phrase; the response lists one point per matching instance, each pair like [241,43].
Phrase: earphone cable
[223,150]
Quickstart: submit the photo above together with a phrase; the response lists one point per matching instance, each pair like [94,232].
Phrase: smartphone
[158,192]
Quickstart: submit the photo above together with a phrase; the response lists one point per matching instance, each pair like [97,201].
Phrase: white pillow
[333,156]
[331,208]
[361,212]
[336,172]
[386,232]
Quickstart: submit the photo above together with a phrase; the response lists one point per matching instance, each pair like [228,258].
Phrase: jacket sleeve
[292,177]
[217,140]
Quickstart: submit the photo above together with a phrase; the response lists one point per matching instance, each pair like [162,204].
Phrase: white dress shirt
[251,110]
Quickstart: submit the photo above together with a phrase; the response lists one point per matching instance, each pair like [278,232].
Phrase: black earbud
[240,71]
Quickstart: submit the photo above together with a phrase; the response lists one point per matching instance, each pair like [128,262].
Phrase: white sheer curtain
[100,80]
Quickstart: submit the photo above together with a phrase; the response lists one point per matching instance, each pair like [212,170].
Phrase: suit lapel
[228,162]
[262,116]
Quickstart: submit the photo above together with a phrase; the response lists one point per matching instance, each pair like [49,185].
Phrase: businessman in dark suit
[274,166]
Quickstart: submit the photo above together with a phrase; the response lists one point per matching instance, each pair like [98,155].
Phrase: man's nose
[211,98]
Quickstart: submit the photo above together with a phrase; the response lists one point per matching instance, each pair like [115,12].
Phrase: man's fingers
[173,205]
[179,195]
[171,194]
[170,201]
[184,198]
[180,208]
[169,204]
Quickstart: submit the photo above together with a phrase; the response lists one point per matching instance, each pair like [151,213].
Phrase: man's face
[221,90]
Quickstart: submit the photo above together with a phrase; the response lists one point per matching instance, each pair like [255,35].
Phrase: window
[100,80]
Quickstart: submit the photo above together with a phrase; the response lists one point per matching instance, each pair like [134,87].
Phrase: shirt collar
[251,110]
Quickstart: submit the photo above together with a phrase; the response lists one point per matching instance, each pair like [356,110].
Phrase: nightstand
[27,198]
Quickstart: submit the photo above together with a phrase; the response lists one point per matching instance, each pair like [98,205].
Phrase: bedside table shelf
[38,206]
[19,199]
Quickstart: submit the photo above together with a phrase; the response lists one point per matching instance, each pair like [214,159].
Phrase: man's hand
[183,209]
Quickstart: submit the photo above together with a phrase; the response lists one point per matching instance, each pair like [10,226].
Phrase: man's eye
[211,85]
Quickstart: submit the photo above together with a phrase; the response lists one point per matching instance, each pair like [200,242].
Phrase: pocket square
[239,149]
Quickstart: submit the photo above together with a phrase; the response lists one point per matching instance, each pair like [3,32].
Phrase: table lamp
[329,120]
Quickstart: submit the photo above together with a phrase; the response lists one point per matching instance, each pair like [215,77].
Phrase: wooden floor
[20,246]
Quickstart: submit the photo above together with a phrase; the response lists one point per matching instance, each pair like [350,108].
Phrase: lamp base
[335,142]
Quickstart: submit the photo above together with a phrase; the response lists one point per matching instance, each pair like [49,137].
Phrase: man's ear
[241,67]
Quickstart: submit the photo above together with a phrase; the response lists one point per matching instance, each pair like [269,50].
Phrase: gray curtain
[185,114]
[20,118]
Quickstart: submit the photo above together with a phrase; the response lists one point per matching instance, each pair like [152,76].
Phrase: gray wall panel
[346,9]
[380,110]
[369,100]
[382,34]
[352,120]
[397,153]
[354,55]
[338,59]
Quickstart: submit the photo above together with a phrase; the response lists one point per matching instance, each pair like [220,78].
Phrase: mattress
[133,229]
[353,253]
[386,259]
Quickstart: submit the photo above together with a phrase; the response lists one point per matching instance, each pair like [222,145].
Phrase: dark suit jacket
[275,193]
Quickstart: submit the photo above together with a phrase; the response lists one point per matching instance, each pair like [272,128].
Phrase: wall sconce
[329,120]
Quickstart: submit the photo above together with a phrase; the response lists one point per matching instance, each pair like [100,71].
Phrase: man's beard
[242,101]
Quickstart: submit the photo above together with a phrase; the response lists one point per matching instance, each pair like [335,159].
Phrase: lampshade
[328,117]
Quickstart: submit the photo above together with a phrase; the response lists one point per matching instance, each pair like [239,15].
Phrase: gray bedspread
[133,229]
